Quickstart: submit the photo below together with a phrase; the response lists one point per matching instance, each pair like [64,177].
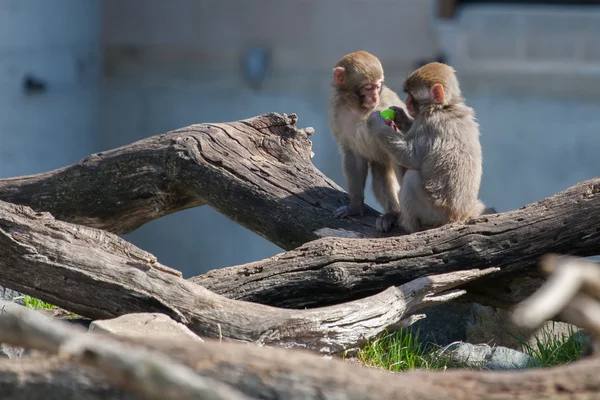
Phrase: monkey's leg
[355,170]
[424,214]
[385,189]
[410,202]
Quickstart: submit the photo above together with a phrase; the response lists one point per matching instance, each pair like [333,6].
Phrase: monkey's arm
[402,120]
[401,150]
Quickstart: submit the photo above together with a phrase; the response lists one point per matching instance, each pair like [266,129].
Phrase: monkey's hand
[350,210]
[402,120]
[377,124]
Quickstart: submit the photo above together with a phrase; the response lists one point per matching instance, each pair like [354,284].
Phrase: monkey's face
[368,94]
[411,106]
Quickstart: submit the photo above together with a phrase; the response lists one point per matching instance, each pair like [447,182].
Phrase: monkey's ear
[339,75]
[437,93]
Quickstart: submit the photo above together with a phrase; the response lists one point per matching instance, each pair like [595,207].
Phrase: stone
[8,294]
[483,356]
[147,325]
[475,323]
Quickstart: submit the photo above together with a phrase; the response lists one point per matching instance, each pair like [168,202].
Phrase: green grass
[399,351]
[551,349]
[36,304]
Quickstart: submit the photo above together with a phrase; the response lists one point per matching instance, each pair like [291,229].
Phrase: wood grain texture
[273,373]
[334,270]
[257,172]
[98,275]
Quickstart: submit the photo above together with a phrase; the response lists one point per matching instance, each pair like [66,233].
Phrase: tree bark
[265,182]
[98,275]
[268,373]
[334,270]
[52,378]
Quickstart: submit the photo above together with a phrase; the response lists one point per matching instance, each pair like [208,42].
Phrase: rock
[475,323]
[8,294]
[483,356]
[150,325]
[494,326]
[12,352]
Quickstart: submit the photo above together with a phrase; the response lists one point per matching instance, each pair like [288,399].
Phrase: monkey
[357,89]
[440,150]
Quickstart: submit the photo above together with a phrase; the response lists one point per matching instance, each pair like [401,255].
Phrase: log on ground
[334,270]
[270,373]
[98,275]
[266,182]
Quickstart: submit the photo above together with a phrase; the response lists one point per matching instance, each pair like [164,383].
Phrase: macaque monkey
[440,150]
[356,91]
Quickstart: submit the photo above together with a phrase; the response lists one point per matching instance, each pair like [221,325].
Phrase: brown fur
[440,150]
[348,117]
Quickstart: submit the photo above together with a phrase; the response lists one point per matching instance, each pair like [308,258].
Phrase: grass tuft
[552,349]
[399,351]
[36,304]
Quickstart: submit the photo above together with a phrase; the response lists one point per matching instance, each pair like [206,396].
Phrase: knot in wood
[335,273]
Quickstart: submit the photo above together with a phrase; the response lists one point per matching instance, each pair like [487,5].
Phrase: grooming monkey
[356,91]
[440,150]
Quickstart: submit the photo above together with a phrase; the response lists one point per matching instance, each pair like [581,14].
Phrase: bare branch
[572,291]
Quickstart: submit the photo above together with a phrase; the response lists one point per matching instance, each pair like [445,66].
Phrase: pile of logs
[338,284]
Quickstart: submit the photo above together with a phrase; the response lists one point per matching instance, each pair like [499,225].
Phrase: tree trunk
[98,275]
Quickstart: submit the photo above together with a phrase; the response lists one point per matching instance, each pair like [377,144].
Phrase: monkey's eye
[368,87]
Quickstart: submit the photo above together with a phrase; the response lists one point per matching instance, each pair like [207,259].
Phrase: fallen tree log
[334,270]
[145,372]
[264,373]
[268,184]
[98,275]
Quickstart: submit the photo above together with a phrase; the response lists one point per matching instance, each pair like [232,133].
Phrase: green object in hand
[388,114]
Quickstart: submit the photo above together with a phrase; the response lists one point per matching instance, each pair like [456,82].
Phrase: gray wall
[58,42]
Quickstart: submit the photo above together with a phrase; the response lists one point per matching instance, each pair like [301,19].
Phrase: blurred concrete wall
[171,64]
[53,121]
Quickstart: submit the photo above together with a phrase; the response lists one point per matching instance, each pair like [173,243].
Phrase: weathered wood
[148,373]
[267,183]
[334,270]
[52,378]
[572,290]
[98,275]
[271,373]
[256,172]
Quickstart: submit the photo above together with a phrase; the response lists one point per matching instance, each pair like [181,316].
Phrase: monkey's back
[452,168]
